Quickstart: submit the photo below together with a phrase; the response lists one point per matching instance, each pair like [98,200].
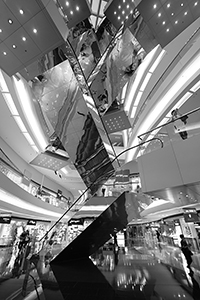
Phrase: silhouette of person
[185,248]
[178,123]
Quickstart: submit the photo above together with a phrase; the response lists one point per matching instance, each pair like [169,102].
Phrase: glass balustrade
[178,128]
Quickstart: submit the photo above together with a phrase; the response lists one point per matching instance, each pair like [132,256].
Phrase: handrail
[74,203]
[169,122]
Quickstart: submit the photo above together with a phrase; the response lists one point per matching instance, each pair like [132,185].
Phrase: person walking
[185,248]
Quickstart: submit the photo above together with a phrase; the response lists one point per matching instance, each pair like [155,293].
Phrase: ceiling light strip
[26,105]
[138,78]
[184,79]
[14,112]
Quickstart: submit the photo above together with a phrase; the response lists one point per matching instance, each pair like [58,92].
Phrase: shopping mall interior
[120,217]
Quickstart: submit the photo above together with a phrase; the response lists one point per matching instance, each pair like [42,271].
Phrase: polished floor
[112,276]
[128,276]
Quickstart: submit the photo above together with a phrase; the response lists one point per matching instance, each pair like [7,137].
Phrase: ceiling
[71,179]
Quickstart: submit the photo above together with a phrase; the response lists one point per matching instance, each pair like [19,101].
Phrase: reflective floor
[128,276]
[110,275]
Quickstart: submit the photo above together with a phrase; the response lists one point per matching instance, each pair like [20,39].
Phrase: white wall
[176,164]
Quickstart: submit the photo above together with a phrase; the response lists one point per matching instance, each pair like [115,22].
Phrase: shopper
[185,248]
[179,122]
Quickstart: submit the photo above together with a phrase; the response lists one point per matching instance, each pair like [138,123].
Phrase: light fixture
[123,12]
[115,12]
[181,4]
[133,111]
[127,6]
[14,46]
[145,82]
[17,202]
[3,85]
[0,30]
[77,8]
[29,138]
[119,6]
[137,100]
[139,75]
[172,14]
[118,17]
[10,103]
[195,87]
[167,30]
[71,12]
[195,4]
[35,148]
[25,102]
[176,22]
[21,11]
[157,61]
[185,13]
[184,77]
[20,123]
[10,21]
[168,5]
[4,53]
[23,38]
[159,15]
[163,22]
[155,5]
[34,30]
[67,3]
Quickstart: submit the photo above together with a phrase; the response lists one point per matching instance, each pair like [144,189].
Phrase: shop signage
[75,222]
[190,215]
[31,222]
[5,219]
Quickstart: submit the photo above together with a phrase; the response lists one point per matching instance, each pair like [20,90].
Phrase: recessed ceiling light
[126,17]
[118,18]
[115,12]
[163,22]
[10,21]
[4,53]
[127,6]
[195,4]
[0,30]
[155,5]
[23,38]
[124,1]
[77,8]
[181,4]
[167,30]
[14,46]
[131,11]
[67,3]
[21,11]
[119,6]
[176,22]
[172,14]
[185,13]
[159,15]
[123,12]
[71,12]
[168,5]
[34,30]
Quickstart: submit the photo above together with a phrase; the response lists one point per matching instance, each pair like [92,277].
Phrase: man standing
[185,248]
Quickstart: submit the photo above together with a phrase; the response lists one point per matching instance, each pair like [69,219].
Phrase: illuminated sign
[31,222]
[5,218]
[190,215]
